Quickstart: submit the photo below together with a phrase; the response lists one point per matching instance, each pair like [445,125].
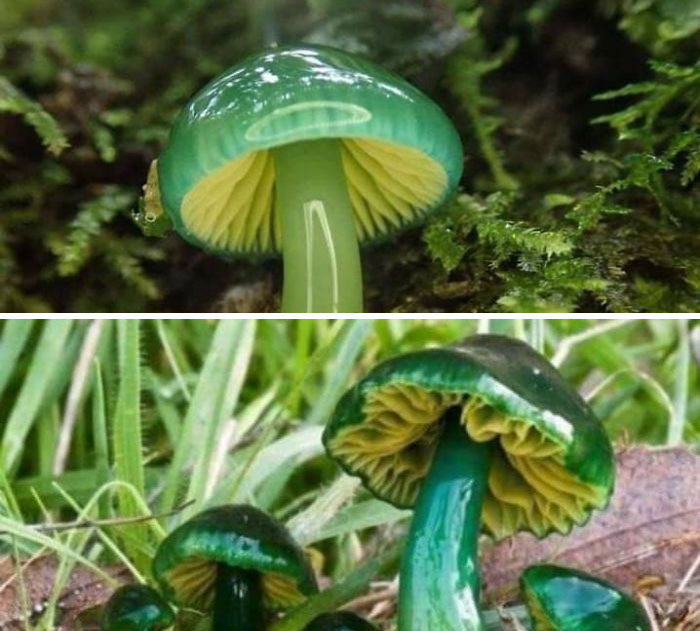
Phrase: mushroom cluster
[483,437]
[309,151]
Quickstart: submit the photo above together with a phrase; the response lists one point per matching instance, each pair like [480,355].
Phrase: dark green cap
[239,536]
[136,608]
[401,154]
[339,621]
[555,463]
[564,599]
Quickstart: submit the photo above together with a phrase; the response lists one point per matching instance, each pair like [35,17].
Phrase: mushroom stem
[440,580]
[322,272]
[238,600]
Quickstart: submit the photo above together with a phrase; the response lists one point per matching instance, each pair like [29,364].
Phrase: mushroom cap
[564,599]
[136,608]
[554,464]
[241,536]
[339,621]
[401,154]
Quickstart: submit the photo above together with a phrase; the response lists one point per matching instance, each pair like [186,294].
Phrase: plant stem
[263,24]
[353,585]
[322,272]
[681,386]
[238,603]
[440,580]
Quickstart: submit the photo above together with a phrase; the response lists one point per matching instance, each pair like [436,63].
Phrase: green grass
[197,412]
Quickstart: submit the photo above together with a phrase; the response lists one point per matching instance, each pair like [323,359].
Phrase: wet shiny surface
[239,601]
[440,580]
[238,535]
[299,93]
[136,608]
[508,375]
[564,599]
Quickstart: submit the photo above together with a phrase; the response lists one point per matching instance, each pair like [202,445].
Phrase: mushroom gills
[529,488]
[233,208]
[540,620]
[194,579]
[281,591]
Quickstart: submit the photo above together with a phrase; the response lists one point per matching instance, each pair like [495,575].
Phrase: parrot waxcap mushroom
[486,437]
[308,151]
[136,608]
[233,561]
[565,599]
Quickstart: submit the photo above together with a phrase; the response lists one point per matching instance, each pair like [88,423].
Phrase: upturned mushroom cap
[555,463]
[136,608]
[401,154]
[564,599]
[241,536]
[339,621]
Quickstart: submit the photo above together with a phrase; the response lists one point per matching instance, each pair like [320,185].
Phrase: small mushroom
[484,436]
[339,621]
[309,151]
[233,561]
[136,608]
[564,599]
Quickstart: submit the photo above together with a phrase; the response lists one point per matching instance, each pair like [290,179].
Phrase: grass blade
[46,357]
[14,336]
[682,385]
[367,514]
[242,341]
[298,446]
[203,408]
[127,442]
[352,339]
[99,433]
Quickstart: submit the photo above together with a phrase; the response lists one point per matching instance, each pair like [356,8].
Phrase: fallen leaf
[82,591]
[651,529]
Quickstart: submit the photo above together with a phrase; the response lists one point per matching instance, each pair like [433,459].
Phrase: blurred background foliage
[581,124]
[110,418]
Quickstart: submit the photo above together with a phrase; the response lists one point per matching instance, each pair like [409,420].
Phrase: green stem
[322,272]
[238,601]
[440,581]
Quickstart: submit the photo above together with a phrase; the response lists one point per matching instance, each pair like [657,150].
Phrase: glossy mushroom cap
[241,536]
[564,599]
[339,621]
[554,465]
[136,608]
[401,155]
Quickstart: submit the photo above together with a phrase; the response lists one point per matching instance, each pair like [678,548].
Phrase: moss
[581,182]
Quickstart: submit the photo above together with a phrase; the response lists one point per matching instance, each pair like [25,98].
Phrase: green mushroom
[309,151]
[339,621]
[484,436]
[136,608]
[564,599]
[233,561]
